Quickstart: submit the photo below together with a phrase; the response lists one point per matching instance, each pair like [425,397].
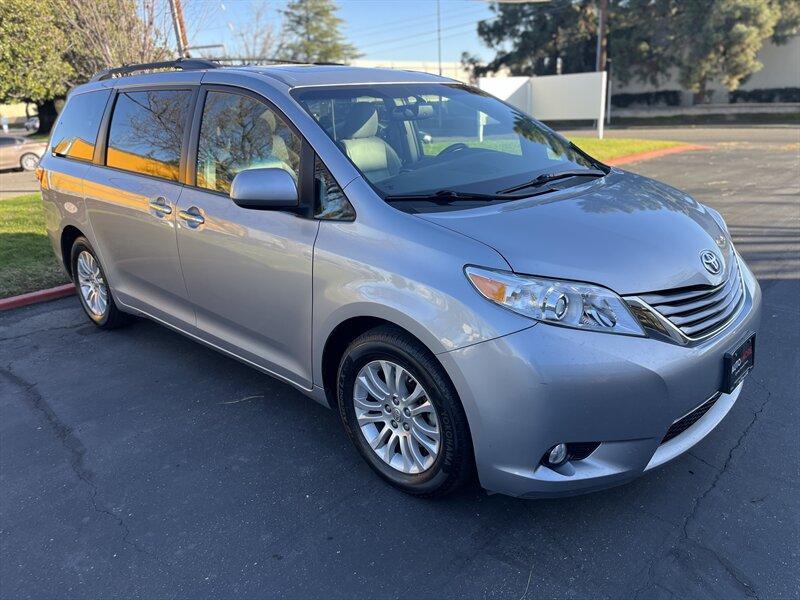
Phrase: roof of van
[289,75]
[308,75]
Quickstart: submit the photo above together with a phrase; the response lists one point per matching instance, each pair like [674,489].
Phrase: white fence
[571,97]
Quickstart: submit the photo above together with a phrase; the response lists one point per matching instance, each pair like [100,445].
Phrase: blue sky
[380,29]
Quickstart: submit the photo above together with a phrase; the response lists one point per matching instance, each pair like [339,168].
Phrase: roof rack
[253,60]
[184,64]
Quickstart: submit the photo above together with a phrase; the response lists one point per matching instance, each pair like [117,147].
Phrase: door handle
[160,206]
[192,216]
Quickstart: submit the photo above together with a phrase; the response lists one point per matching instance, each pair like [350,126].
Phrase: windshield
[418,139]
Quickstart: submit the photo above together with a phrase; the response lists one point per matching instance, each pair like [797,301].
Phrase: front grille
[701,310]
[689,419]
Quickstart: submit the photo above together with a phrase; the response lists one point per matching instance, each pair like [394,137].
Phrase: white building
[454,70]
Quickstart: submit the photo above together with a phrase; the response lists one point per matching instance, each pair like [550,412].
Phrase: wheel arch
[69,234]
[340,338]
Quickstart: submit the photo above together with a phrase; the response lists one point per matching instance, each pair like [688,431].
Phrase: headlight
[567,303]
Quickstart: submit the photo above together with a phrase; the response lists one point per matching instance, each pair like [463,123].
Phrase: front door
[248,272]
[132,202]
[8,153]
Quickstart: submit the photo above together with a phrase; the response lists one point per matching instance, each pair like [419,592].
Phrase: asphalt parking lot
[137,463]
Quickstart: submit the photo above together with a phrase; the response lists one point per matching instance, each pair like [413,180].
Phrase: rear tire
[28,161]
[415,404]
[92,287]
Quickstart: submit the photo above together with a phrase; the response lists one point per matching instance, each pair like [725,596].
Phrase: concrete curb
[640,156]
[33,297]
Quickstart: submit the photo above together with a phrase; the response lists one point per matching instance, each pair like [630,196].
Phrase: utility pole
[439,32]
[178,22]
[602,16]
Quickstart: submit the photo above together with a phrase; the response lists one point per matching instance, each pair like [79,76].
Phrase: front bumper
[525,392]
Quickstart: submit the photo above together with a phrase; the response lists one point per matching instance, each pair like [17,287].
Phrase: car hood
[625,232]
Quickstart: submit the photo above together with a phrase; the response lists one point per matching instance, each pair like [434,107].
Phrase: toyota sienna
[471,292]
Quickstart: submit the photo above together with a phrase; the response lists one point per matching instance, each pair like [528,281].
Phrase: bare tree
[261,37]
[105,33]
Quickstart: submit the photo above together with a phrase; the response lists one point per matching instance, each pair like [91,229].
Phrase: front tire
[92,287]
[403,415]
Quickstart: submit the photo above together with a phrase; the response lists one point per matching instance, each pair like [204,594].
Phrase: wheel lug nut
[387,408]
[394,423]
[396,401]
[406,426]
[406,412]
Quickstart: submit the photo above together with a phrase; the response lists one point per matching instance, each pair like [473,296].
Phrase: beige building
[781,70]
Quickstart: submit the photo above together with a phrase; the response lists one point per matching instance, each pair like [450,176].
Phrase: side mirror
[265,189]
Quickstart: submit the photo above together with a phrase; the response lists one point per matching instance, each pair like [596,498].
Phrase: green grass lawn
[608,148]
[27,262]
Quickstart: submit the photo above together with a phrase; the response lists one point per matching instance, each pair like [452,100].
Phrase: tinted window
[75,133]
[238,133]
[147,132]
[418,139]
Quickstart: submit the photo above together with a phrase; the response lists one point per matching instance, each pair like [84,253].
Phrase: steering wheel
[453,148]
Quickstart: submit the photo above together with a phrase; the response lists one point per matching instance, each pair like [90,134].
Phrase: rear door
[132,199]
[73,146]
[248,272]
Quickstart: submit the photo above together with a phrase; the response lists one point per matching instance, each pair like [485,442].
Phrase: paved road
[14,183]
[137,463]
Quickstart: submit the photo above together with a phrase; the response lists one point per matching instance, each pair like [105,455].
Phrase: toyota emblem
[711,262]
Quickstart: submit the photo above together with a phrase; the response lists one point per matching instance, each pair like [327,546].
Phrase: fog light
[557,455]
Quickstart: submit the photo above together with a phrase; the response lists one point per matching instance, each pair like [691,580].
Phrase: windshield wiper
[444,196]
[548,177]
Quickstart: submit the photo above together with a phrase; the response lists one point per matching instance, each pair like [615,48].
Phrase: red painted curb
[631,158]
[34,297]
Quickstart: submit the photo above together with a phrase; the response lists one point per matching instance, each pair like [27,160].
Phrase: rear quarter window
[146,132]
[75,133]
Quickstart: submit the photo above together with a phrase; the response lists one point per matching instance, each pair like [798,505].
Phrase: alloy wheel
[29,162]
[396,417]
[94,290]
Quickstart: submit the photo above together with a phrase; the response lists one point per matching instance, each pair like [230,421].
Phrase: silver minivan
[471,292]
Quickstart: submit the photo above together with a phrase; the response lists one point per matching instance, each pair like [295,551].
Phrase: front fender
[414,280]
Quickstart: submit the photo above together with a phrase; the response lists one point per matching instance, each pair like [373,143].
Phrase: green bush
[786,94]
[659,98]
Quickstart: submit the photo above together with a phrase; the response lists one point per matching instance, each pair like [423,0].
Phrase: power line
[550,10]
[426,40]
[432,36]
[439,32]
[423,20]
[406,37]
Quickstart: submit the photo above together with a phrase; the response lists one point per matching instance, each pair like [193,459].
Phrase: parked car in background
[32,124]
[468,290]
[20,153]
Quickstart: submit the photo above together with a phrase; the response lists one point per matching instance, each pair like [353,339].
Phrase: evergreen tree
[720,40]
[534,38]
[312,28]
